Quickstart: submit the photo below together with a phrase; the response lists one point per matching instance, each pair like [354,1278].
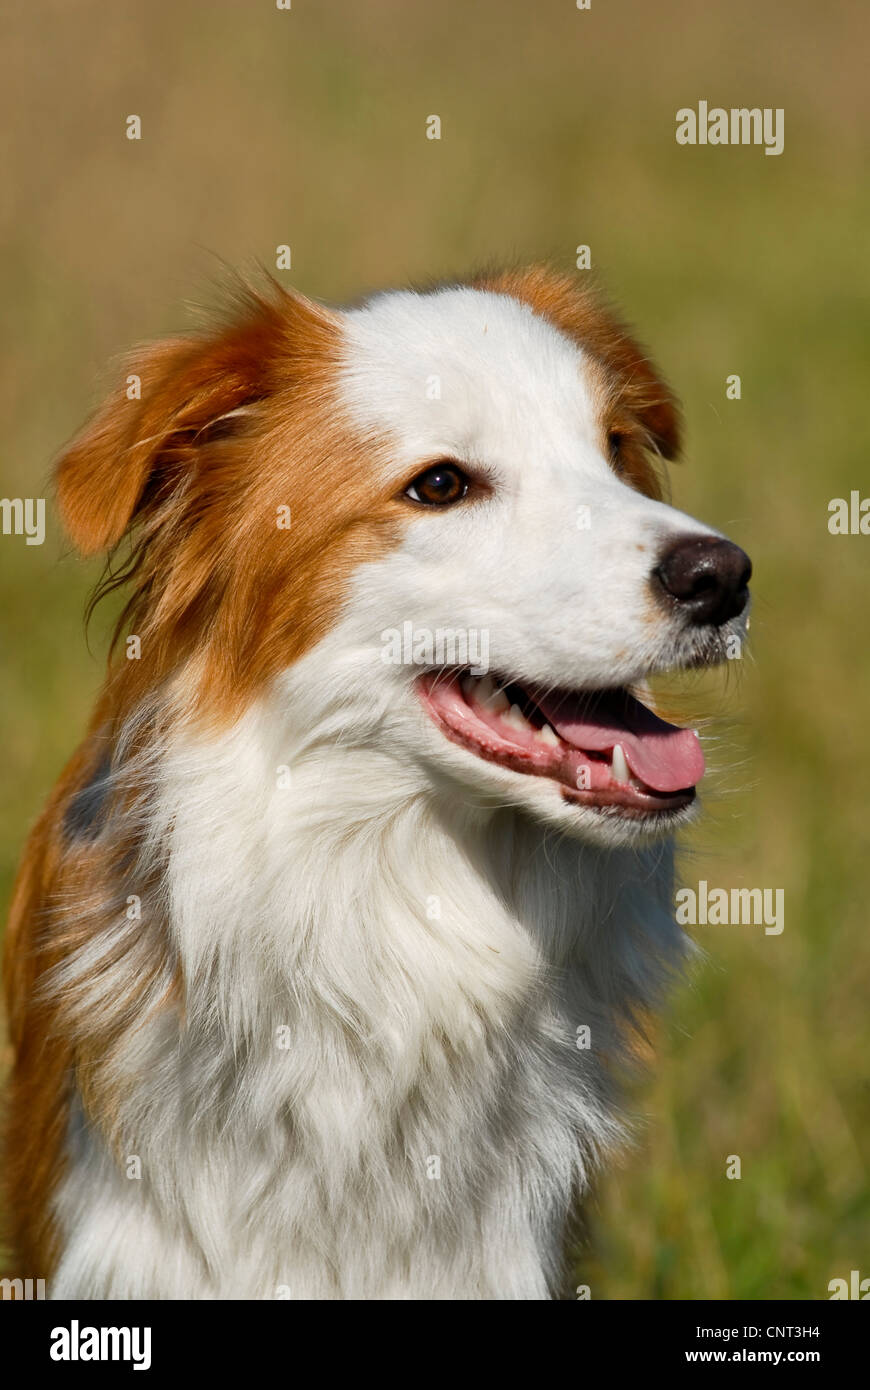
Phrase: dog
[327,953]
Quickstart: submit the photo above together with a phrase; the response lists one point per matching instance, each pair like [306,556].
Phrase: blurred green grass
[263,127]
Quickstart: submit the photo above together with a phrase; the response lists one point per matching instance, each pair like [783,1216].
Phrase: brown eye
[439,486]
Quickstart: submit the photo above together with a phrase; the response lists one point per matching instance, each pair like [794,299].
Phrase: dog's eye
[439,486]
[615,441]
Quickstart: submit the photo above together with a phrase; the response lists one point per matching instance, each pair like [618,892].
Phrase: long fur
[296,988]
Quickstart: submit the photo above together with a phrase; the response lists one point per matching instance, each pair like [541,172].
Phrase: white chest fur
[378,1088]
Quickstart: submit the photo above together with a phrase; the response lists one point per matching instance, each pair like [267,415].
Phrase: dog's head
[435,522]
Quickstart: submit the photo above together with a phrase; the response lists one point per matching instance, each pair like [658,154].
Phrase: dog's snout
[707,576]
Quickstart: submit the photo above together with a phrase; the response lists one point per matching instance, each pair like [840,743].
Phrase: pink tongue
[665,757]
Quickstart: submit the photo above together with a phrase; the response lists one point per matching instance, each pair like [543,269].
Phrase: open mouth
[605,748]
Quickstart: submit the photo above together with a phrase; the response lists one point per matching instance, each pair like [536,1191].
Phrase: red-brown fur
[211,574]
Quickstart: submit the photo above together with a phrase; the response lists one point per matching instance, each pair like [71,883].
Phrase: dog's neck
[352,879]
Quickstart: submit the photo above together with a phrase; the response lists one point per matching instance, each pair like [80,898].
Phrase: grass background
[307,127]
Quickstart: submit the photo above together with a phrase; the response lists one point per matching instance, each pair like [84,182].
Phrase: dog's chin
[595,764]
[605,829]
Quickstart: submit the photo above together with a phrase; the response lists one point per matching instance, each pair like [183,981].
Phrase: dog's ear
[175,396]
[582,315]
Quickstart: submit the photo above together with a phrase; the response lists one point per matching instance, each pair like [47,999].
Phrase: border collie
[327,949]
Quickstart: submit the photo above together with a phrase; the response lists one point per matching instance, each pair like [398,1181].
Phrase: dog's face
[477,567]
[536,541]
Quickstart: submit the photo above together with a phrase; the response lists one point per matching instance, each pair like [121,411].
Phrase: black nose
[707,576]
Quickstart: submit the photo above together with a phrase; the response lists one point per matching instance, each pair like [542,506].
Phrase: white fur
[430,930]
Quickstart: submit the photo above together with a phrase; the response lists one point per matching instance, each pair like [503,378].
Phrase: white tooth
[619,766]
[548,735]
[516,719]
[497,701]
[468,684]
